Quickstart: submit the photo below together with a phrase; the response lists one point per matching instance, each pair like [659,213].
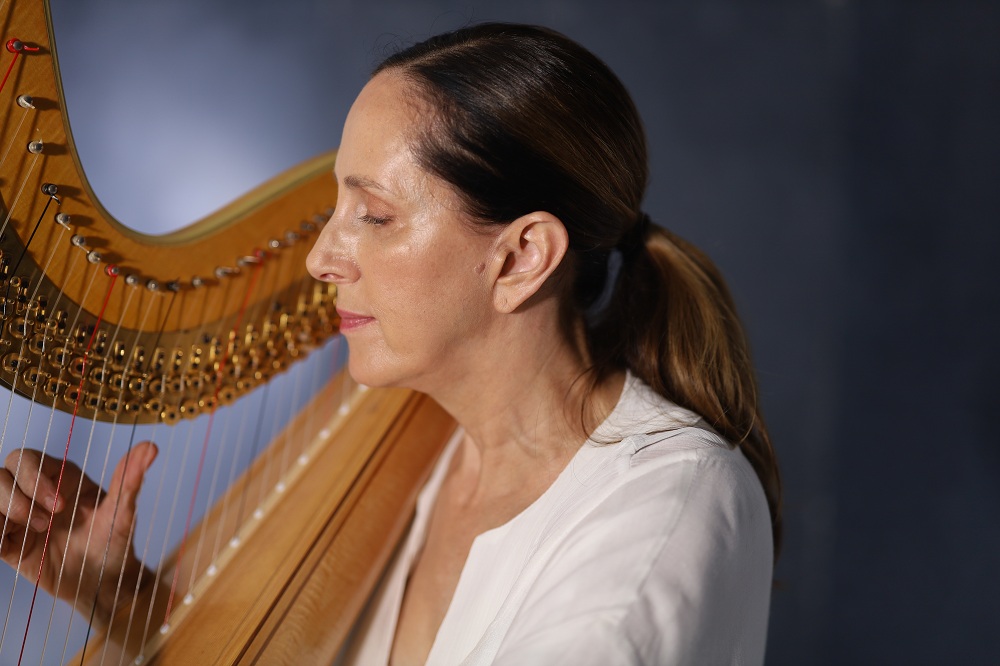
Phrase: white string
[156,505]
[165,462]
[44,344]
[13,205]
[17,569]
[170,521]
[97,501]
[293,405]
[17,129]
[237,454]
[264,484]
[10,401]
[114,423]
[220,447]
[121,575]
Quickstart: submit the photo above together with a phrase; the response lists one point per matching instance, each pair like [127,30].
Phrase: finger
[16,507]
[36,475]
[14,543]
[128,475]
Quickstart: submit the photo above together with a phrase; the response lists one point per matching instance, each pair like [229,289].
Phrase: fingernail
[39,523]
[49,502]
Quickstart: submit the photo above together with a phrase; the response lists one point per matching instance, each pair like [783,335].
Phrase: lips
[350,321]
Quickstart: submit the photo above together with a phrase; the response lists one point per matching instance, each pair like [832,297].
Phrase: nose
[329,259]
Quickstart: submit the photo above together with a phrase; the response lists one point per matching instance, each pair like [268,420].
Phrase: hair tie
[634,239]
[615,264]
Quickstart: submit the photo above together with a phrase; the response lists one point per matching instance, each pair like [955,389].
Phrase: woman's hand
[69,536]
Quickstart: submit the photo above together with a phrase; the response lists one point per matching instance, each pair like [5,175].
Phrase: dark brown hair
[528,120]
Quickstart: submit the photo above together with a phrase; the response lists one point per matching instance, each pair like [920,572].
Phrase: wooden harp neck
[224,302]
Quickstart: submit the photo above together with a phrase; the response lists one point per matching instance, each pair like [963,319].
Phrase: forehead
[382,122]
[377,145]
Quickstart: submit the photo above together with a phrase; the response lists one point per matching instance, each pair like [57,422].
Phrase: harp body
[113,325]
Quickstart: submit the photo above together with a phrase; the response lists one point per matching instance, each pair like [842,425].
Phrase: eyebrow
[360,182]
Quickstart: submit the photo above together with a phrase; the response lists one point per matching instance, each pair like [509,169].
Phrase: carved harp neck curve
[225,298]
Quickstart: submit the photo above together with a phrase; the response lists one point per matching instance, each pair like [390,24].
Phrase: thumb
[128,475]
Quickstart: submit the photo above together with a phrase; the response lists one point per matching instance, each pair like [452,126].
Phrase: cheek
[427,299]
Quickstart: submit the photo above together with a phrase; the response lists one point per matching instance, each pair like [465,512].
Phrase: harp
[122,331]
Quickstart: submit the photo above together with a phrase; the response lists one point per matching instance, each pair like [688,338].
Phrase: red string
[112,271]
[9,68]
[16,46]
[208,432]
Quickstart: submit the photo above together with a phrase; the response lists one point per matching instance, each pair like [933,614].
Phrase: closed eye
[373,219]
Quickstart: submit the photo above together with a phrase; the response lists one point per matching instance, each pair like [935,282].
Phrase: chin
[391,370]
[373,372]
[362,373]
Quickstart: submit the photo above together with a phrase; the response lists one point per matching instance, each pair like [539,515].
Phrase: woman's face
[413,290]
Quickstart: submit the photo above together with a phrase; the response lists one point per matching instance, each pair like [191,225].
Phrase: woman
[612,494]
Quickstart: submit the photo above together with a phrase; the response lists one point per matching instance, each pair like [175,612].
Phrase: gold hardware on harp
[173,281]
[113,325]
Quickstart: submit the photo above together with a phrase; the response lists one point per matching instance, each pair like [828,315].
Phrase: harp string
[265,480]
[259,419]
[20,190]
[45,442]
[15,46]
[121,574]
[176,496]
[23,442]
[10,401]
[76,501]
[220,526]
[258,437]
[145,549]
[196,489]
[26,104]
[213,487]
[151,304]
[238,446]
[204,448]
[296,399]
[128,453]
[113,275]
[262,273]
[34,392]
[158,577]
[13,62]
[20,258]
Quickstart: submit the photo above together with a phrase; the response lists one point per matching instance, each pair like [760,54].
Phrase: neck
[526,408]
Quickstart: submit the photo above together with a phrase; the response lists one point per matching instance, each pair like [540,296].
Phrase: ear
[529,250]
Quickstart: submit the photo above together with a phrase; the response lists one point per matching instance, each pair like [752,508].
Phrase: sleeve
[673,568]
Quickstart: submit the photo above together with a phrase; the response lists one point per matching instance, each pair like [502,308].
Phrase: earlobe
[529,250]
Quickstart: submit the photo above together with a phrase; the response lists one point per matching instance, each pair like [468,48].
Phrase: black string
[24,251]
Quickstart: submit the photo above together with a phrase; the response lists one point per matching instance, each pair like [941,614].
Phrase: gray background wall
[838,159]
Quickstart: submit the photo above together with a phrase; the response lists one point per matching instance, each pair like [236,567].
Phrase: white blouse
[650,548]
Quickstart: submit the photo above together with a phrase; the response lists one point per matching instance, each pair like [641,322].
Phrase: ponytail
[685,340]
